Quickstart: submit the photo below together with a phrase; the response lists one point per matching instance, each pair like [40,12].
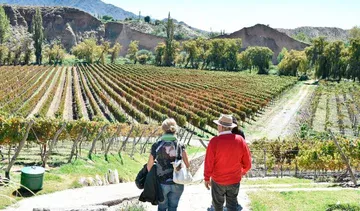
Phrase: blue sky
[232,15]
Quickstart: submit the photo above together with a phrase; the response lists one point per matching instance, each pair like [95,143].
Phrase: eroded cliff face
[67,25]
[71,26]
[261,35]
[118,32]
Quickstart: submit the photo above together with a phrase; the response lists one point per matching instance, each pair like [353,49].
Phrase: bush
[147,19]
[143,56]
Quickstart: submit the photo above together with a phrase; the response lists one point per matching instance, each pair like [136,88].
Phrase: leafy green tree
[282,54]
[55,54]
[354,32]
[244,60]
[17,54]
[4,26]
[217,53]
[105,47]
[147,19]
[159,53]
[204,46]
[28,51]
[3,52]
[223,53]
[143,56]
[333,53]
[107,18]
[293,63]
[38,35]
[181,58]
[132,50]
[157,22]
[316,57]
[87,50]
[345,58]
[192,52]
[354,59]
[20,48]
[169,43]
[115,50]
[233,47]
[260,58]
[302,37]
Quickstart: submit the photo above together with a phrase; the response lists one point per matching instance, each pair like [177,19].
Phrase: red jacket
[227,159]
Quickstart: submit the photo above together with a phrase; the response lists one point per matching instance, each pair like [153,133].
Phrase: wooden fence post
[265,169]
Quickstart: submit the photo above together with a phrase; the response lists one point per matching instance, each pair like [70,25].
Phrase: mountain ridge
[330,33]
[262,35]
[94,7]
[98,7]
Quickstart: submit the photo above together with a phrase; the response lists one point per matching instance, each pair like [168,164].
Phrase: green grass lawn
[66,176]
[305,200]
[271,181]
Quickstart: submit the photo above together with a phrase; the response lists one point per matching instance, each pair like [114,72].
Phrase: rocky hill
[262,35]
[181,29]
[331,33]
[71,26]
[94,7]
[99,8]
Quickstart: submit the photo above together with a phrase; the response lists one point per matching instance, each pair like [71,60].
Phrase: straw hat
[225,121]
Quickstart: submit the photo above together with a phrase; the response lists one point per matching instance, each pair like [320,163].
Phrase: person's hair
[169,125]
[226,128]
[236,129]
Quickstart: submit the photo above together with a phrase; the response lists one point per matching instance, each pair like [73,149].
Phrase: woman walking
[164,152]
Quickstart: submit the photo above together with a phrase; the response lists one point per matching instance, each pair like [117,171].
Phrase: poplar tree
[38,35]
[169,48]
[4,26]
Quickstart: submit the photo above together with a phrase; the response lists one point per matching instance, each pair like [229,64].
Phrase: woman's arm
[150,162]
[186,159]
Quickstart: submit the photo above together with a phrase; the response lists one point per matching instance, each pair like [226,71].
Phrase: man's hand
[207,185]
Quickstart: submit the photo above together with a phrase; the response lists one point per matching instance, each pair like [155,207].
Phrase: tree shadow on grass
[211,208]
[345,207]
[22,192]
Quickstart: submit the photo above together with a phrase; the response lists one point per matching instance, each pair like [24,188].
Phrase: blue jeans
[172,194]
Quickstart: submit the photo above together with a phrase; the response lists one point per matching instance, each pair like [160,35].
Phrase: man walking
[227,160]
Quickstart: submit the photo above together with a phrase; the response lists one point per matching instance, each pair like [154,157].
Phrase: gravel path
[195,197]
[78,197]
[278,119]
[57,97]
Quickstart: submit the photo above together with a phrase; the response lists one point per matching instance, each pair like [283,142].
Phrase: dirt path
[278,120]
[57,97]
[68,110]
[46,95]
[195,197]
